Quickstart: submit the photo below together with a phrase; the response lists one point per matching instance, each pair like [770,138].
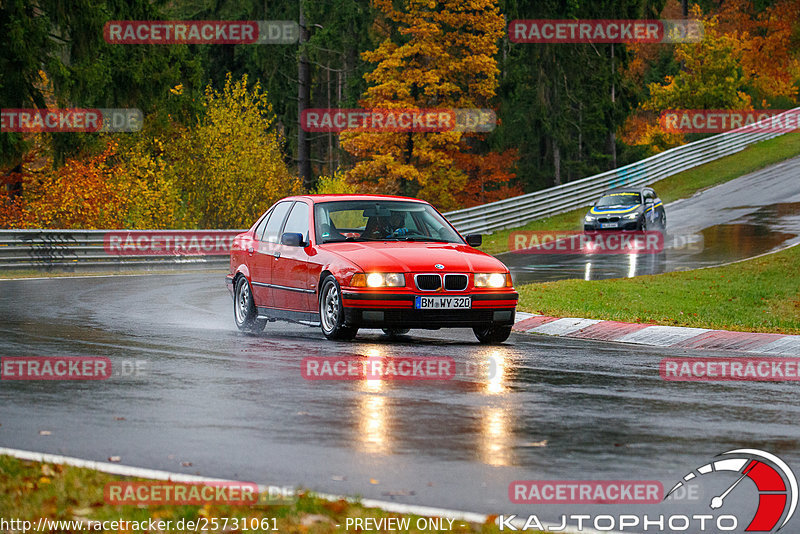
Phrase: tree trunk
[303,103]
[556,163]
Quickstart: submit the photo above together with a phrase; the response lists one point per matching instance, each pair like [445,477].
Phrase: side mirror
[291,239]
[474,240]
[649,202]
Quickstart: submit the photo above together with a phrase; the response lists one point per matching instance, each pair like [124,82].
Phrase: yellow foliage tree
[446,59]
[230,166]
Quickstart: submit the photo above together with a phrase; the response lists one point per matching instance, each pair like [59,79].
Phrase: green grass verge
[758,295]
[33,490]
[681,185]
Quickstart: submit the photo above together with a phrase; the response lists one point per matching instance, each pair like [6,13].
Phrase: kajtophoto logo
[772,493]
[774,480]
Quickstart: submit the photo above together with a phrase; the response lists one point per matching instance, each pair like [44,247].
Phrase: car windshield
[619,199]
[380,220]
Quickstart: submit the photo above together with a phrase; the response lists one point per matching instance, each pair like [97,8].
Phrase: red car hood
[389,256]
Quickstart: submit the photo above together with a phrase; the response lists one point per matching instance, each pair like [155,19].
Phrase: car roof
[635,189]
[340,197]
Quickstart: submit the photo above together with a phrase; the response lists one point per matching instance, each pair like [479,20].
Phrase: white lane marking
[788,345]
[662,336]
[156,474]
[563,327]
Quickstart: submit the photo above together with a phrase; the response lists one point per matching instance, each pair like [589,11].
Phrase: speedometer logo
[775,481]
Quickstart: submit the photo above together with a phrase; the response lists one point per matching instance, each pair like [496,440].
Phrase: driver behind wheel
[391,226]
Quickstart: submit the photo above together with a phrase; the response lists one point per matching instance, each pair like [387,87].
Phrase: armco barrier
[516,211]
[66,250]
[85,250]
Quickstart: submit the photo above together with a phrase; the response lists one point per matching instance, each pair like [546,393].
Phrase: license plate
[443,303]
[609,225]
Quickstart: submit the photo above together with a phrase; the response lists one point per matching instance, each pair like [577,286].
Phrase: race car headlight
[630,216]
[378,280]
[590,218]
[493,280]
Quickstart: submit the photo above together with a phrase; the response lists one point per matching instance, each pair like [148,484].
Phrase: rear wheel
[331,311]
[244,308]
[492,334]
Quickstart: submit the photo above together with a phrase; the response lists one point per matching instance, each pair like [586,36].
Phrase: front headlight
[378,280]
[493,280]
[590,218]
[630,216]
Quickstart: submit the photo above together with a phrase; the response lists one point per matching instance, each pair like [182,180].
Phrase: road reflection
[373,433]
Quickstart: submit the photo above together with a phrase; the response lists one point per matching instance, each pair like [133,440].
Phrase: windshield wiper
[346,239]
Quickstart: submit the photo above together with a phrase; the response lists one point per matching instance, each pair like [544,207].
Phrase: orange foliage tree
[91,193]
[445,59]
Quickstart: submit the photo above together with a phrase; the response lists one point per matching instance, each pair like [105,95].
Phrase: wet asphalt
[750,215]
[191,394]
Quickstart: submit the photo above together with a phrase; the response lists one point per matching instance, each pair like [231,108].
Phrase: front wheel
[331,311]
[244,308]
[492,334]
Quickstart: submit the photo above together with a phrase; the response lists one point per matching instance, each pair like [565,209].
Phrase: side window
[261,225]
[275,222]
[298,220]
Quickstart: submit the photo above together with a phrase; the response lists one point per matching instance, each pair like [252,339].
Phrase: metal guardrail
[516,211]
[95,250]
[87,250]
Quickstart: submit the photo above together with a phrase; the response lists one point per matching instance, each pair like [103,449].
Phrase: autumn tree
[769,49]
[711,77]
[230,166]
[441,56]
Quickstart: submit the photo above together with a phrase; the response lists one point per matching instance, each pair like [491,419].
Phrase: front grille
[428,282]
[455,282]
[608,219]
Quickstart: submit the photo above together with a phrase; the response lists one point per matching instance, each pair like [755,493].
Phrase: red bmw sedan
[345,262]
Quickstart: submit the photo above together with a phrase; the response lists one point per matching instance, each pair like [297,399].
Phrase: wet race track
[736,220]
[208,400]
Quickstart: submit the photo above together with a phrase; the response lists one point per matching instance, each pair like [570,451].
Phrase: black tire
[331,311]
[395,332]
[244,308]
[492,334]
[643,224]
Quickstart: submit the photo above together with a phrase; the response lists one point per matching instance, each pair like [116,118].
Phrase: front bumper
[622,225]
[396,310]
